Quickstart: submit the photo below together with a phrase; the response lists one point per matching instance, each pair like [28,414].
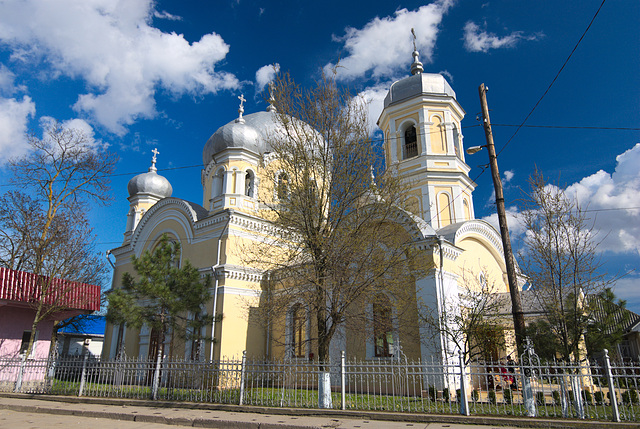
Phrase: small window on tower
[249,183]
[410,142]
[282,187]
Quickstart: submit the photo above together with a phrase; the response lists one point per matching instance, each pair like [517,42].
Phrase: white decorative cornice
[227,290]
[483,229]
[181,205]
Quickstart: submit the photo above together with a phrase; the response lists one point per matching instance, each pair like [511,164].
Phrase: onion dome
[235,134]
[251,132]
[150,183]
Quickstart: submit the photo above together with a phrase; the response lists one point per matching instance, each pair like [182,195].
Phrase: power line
[554,79]
[569,127]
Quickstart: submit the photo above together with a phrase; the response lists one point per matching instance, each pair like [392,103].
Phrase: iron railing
[597,390]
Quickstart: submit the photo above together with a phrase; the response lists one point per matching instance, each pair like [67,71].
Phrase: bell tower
[423,145]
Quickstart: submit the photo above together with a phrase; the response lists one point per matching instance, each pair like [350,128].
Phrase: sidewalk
[226,416]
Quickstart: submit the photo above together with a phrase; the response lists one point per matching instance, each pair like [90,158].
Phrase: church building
[423,144]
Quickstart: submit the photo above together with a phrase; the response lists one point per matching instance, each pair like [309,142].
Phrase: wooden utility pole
[514,291]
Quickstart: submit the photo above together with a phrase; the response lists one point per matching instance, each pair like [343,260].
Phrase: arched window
[382,327]
[217,185]
[467,210]
[444,209]
[282,187]
[456,142]
[438,137]
[298,331]
[249,183]
[410,142]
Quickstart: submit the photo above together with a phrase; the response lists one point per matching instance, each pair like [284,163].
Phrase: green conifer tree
[163,296]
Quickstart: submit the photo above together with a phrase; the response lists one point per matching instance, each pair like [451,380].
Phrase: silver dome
[252,133]
[150,183]
[418,84]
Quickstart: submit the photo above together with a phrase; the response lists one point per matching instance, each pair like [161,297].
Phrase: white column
[393,142]
[228,182]
[423,130]
[240,178]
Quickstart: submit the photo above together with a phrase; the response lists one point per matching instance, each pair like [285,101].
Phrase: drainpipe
[215,287]
[441,241]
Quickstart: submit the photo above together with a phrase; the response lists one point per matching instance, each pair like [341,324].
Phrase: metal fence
[588,390]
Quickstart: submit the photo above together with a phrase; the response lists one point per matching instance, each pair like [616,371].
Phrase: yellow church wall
[477,257]
[236,333]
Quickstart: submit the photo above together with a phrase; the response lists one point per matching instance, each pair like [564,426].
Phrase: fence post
[343,374]
[612,390]
[527,361]
[84,374]
[156,377]
[464,401]
[242,375]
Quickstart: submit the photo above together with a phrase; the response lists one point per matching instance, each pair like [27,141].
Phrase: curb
[522,422]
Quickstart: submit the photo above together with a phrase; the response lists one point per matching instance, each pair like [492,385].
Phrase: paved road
[41,412]
[28,420]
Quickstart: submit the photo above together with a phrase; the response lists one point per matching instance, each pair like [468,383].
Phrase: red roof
[23,287]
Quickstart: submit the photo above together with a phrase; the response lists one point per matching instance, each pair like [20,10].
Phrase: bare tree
[336,244]
[560,258]
[474,322]
[44,227]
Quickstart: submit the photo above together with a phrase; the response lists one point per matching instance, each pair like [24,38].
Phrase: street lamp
[514,291]
[475,149]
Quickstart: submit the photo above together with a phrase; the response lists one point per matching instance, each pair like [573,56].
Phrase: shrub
[609,397]
[540,398]
[630,396]
[508,396]
[599,397]
[475,395]
[445,395]
[556,397]
[492,396]
[432,393]
[587,397]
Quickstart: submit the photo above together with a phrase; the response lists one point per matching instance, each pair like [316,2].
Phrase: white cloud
[266,74]
[384,45]
[76,124]
[7,79]
[112,46]
[517,230]
[446,74]
[166,15]
[14,115]
[476,40]
[508,175]
[374,97]
[628,288]
[611,201]
[610,198]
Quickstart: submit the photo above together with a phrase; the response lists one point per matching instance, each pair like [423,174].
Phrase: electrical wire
[553,81]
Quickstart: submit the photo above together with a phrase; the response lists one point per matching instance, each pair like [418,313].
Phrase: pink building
[22,292]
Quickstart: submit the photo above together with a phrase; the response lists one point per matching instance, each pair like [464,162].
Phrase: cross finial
[272,100]
[414,39]
[241,108]
[154,159]
[416,67]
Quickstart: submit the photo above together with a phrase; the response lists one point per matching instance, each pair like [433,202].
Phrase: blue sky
[138,74]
